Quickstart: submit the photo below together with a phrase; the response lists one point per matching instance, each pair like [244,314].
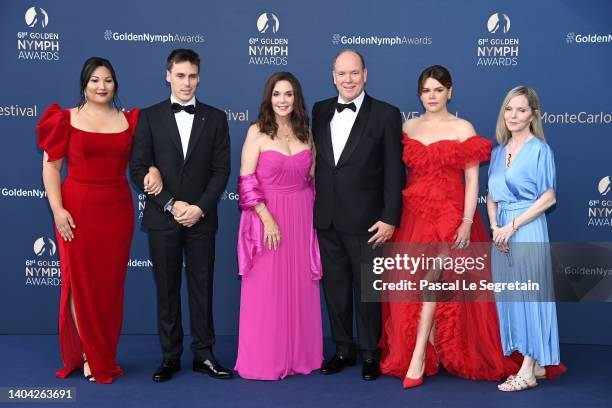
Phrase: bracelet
[514,229]
[471,221]
[494,227]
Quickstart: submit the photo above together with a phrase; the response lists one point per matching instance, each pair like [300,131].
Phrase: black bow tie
[177,107]
[342,106]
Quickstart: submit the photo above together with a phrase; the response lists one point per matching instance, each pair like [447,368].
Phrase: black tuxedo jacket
[199,178]
[365,186]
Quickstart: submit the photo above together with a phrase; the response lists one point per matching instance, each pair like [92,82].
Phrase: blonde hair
[502,134]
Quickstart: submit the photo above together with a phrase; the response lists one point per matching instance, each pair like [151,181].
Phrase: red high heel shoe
[413,382]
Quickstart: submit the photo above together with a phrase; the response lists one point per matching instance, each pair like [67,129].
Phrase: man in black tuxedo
[189,143]
[359,177]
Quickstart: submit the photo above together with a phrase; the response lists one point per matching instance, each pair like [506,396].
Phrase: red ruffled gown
[467,340]
[94,263]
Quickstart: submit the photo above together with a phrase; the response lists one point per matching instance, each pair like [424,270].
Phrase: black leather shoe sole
[336,364]
[165,373]
[224,375]
[370,377]
[161,378]
[370,373]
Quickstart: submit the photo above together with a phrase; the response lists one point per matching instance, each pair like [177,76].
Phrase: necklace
[515,150]
[286,136]
[509,160]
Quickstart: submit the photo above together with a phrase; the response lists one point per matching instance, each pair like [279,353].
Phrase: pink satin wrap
[250,231]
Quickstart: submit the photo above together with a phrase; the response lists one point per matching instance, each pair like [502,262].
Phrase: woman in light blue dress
[521,189]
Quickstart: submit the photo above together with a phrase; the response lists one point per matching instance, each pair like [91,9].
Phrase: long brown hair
[298,117]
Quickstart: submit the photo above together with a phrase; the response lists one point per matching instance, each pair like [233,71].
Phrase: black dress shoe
[371,370]
[166,369]
[213,369]
[336,364]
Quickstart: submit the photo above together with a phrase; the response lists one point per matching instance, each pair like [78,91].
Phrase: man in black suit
[189,143]
[359,177]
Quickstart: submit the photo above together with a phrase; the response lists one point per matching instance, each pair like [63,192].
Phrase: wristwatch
[169,205]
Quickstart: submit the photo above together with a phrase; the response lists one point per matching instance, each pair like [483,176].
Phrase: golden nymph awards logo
[600,209]
[268,49]
[39,45]
[44,269]
[497,50]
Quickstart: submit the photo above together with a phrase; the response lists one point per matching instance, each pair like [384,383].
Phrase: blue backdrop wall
[561,48]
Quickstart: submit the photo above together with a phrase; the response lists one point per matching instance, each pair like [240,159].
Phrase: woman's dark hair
[88,68]
[182,55]
[298,117]
[437,72]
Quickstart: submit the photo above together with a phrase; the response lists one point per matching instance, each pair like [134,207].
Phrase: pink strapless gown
[280,310]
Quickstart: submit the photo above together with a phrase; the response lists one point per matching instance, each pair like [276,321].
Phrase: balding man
[359,177]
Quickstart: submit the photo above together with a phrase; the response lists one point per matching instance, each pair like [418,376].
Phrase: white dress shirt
[341,125]
[184,122]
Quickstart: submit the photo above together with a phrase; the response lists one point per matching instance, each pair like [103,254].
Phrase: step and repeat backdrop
[560,48]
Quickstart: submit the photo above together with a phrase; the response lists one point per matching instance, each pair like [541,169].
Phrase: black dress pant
[167,248]
[341,258]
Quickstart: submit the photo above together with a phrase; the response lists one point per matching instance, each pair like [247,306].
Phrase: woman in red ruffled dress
[94,218]
[443,153]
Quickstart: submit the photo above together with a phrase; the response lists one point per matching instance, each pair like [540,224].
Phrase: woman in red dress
[94,218]
[443,153]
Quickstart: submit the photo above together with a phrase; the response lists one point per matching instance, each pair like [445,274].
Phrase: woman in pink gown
[278,254]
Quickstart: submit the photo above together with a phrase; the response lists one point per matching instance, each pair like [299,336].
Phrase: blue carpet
[31,360]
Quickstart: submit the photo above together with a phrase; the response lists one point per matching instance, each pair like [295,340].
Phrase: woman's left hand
[462,236]
[153,183]
[502,235]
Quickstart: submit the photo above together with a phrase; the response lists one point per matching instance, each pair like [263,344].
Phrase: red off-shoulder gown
[467,341]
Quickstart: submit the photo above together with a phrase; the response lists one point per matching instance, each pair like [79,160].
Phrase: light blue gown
[526,326]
